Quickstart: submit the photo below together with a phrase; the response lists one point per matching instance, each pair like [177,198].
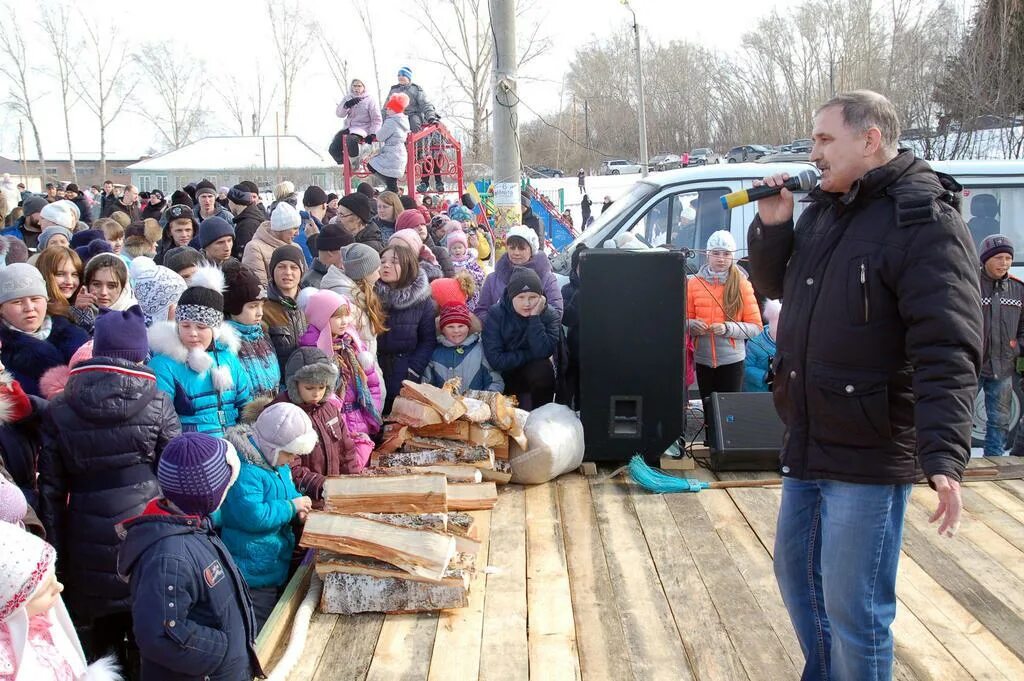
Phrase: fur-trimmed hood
[164,340]
[404,298]
[239,436]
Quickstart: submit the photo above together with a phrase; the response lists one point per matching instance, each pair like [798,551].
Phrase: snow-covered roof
[234,152]
[80,156]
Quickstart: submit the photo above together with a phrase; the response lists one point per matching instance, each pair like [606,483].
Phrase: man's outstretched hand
[950,505]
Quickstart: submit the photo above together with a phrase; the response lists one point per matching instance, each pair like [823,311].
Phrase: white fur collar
[164,340]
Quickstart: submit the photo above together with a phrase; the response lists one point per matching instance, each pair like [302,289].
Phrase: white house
[228,160]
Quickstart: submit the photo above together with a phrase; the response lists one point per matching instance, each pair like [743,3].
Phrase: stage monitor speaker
[745,432]
[632,348]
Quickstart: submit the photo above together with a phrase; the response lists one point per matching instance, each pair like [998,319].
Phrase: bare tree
[248,104]
[337,65]
[55,22]
[15,67]
[363,9]
[179,115]
[290,31]
[105,88]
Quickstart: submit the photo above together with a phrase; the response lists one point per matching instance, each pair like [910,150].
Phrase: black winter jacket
[102,438]
[1004,324]
[420,111]
[28,358]
[191,611]
[246,224]
[20,440]
[879,341]
[404,350]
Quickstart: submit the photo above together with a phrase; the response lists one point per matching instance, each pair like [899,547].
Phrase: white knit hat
[284,427]
[24,561]
[21,280]
[722,241]
[59,213]
[285,217]
[13,505]
[525,233]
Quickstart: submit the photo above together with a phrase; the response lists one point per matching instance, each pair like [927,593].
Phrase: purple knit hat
[121,334]
[195,472]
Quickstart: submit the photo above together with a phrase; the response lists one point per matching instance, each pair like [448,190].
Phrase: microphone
[804,182]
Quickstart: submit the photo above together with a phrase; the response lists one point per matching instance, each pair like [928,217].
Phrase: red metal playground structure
[435,162]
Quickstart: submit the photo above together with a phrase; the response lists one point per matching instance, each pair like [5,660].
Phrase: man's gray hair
[864,109]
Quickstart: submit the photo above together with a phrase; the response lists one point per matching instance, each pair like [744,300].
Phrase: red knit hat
[455,314]
[409,219]
[397,102]
[447,292]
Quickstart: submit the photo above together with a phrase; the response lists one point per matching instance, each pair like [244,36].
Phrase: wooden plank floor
[607,582]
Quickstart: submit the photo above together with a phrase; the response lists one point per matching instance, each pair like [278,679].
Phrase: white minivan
[679,209]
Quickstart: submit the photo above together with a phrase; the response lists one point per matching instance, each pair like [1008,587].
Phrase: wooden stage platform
[607,581]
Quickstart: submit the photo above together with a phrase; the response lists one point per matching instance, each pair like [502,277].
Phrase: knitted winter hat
[180,197]
[526,234]
[360,261]
[195,472]
[33,205]
[14,251]
[214,228]
[313,196]
[121,334]
[182,257]
[285,217]
[202,302]
[249,186]
[85,238]
[408,202]
[180,212]
[97,247]
[25,560]
[409,219]
[333,238]
[156,288]
[458,237]
[722,240]
[20,280]
[405,71]
[204,186]
[454,314]
[994,245]
[319,309]
[13,505]
[523,280]
[397,102]
[448,291]
[411,238]
[357,203]
[283,427]
[309,365]
[52,231]
[240,195]
[242,287]
[367,189]
[460,213]
[59,213]
[289,252]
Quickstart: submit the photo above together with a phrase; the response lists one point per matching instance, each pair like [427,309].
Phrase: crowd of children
[170,408]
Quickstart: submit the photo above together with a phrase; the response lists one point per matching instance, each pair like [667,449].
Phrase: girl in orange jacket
[722,314]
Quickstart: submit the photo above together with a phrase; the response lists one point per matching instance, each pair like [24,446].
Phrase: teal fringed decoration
[656,481]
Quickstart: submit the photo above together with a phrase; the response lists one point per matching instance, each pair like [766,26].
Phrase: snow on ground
[598,186]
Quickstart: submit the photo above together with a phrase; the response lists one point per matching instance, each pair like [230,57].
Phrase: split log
[395,435]
[463,524]
[456,430]
[502,406]
[479,457]
[436,522]
[501,474]
[453,472]
[468,497]
[501,452]
[413,413]
[422,553]
[386,494]
[487,435]
[476,410]
[328,562]
[348,594]
[446,404]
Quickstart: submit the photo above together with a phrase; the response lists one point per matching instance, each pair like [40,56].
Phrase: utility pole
[506,133]
[640,88]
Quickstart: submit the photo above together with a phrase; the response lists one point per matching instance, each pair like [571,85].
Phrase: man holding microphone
[879,347]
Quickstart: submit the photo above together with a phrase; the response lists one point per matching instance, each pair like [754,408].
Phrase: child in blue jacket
[191,612]
[257,514]
[761,351]
[460,354]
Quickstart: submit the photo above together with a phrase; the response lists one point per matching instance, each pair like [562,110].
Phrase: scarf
[353,374]
[42,334]
[713,277]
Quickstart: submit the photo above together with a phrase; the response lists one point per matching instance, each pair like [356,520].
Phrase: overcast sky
[232,37]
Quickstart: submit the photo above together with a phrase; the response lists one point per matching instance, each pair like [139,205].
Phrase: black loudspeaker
[744,432]
[632,348]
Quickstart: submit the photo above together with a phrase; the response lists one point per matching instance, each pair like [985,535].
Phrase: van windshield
[595,234]
[994,210]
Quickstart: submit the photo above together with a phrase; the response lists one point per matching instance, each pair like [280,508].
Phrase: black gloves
[352,102]
[370,139]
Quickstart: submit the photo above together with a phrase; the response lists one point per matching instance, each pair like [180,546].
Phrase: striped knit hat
[195,472]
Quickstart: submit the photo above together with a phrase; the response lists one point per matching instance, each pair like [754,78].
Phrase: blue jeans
[836,552]
[998,395]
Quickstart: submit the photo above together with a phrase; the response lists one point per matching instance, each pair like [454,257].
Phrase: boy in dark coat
[102,437]
[192,613]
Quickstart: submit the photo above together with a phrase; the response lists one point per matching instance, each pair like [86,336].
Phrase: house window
[144,183]
[161,183]
[50,171]
[87,170]
[119,171]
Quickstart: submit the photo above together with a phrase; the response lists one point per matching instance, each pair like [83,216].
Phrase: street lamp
[640,87]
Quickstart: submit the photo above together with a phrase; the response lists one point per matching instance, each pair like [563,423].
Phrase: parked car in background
[747,152]
[619,166]
[800,146]
[666,162]
[542,171]
[702,156]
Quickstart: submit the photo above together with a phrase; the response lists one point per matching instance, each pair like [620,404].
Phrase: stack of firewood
[397,537]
